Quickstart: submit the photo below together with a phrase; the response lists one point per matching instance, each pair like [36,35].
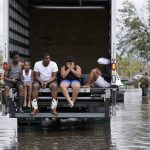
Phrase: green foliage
[135,33]
[129,66]
[1,59]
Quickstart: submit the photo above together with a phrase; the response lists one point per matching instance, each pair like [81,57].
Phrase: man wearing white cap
[100,76]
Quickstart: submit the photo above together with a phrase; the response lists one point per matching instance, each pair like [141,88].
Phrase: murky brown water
[128,130]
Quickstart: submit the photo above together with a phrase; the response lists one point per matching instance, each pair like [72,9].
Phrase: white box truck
[82,28]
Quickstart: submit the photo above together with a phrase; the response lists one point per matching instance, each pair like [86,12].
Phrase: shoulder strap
[30,71]
[23,72]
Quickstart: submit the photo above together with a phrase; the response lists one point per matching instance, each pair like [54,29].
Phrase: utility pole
[130,67]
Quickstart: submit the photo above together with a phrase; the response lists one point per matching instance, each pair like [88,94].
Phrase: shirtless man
[100,76]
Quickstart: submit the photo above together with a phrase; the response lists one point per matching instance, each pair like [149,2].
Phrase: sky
[1,20]
[139,4]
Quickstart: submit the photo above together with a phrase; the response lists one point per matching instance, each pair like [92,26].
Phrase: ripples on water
[93,137]
[128,130]
[8,133]
[70,139]
[131,126]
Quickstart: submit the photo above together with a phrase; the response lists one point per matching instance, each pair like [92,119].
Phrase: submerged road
[128,130]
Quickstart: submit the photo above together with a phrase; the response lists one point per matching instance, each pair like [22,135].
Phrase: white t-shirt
[45,72]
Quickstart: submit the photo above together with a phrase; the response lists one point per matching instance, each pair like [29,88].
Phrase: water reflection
[93,137]
[130,129]
[88,137]
[8,133]
[145,99]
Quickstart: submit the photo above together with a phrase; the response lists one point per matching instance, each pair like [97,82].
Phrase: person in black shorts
[45,72]
[12,79]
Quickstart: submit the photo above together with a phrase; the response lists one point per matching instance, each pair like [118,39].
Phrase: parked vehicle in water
[125,80]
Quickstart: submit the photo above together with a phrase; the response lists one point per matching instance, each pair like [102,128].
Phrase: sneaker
[34,112]
[54,112]
[71,104]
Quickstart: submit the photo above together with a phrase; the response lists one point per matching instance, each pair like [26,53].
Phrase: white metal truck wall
[5,31]
[113,29]
[19,27]
[115,76]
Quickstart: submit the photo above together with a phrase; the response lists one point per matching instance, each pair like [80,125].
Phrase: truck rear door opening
[78,28]
[61,32]
[82,28]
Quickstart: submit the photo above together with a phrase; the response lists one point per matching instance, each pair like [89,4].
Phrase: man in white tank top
[45,76]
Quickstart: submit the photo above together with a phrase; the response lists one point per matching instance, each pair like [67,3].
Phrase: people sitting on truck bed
[100,76]
[70,77]
[12,78]
[45,76]
[27,77]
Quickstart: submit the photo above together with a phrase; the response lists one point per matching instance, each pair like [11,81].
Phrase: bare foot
[34,112]
[54,112]
[71,104]
[29,105]
[86,86]
[24,105]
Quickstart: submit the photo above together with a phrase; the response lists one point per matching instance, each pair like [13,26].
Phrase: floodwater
[128,130]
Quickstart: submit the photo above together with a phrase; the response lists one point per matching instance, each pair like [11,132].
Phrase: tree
[135,32]
[128,66]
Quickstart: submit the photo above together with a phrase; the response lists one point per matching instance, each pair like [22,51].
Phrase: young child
[27,77]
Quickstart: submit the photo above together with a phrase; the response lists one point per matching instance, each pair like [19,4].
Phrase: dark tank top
[71,76]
